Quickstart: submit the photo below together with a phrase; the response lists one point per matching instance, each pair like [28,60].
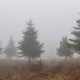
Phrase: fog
[53,19]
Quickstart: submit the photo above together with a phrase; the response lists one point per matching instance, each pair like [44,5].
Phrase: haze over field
[53,19]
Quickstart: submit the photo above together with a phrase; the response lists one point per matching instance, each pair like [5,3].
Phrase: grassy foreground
[39,70]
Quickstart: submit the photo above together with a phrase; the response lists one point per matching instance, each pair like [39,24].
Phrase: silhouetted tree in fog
[75,42]
[10,50]
[30,46]
[64,49]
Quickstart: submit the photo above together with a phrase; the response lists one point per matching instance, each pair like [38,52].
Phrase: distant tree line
[30,47]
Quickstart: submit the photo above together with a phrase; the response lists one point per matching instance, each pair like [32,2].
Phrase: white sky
[53,19]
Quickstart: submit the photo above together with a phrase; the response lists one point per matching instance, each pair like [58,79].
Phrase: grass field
[40,70]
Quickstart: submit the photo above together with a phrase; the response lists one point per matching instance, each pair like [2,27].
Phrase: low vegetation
[40,70]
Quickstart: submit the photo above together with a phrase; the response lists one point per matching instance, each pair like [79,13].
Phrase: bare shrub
[36,66]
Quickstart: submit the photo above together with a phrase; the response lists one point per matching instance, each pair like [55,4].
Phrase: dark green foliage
[75,42]
[64,49]
[30,46]
[10,50]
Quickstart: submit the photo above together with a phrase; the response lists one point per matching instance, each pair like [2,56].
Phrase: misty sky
[53,18]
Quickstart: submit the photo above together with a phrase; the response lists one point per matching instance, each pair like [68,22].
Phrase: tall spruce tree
[75,42]
[64,49]
[30,46]
[10,50]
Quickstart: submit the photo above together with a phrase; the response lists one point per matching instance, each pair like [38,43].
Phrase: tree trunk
[29,59]
[65,59]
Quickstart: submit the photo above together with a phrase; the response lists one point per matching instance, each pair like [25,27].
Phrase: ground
[40,70]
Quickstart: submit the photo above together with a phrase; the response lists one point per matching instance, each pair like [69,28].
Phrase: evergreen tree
[64,49]
[10,50]
[75,42]
[30,46]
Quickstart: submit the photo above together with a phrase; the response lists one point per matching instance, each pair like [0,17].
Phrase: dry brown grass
[39,70]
